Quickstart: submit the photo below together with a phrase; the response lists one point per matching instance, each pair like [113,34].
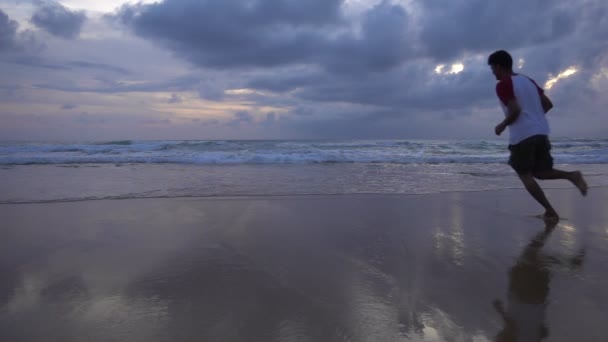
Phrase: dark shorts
[531,155]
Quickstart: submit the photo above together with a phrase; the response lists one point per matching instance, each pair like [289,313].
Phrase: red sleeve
[540,90]
[504,90]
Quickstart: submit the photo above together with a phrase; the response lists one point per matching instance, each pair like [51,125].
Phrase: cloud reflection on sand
[330,268]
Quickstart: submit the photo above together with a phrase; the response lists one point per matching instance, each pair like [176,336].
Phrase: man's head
[501,63]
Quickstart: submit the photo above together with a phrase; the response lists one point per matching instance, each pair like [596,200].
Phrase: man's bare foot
[550,225]
[580,183]
[549,217]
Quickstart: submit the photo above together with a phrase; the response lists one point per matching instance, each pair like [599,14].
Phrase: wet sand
[473,266]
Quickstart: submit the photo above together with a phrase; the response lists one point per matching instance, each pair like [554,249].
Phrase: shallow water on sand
[441,267]
[53,183]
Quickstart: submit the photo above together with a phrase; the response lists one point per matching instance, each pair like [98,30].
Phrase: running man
[525,105]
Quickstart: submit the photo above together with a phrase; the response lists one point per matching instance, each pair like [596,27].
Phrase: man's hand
[546,103]
[500,128]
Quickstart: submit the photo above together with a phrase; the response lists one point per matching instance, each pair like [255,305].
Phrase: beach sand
[461,266]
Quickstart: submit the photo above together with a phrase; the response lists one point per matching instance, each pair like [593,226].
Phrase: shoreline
[290,196]
[38,184]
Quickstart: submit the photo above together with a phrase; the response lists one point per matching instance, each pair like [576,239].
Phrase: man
[525,105]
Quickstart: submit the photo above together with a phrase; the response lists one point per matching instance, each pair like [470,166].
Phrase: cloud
[384,42]
[98,66]
[374,60]
[232,34]
[275,33]
[268,34]
[45,63]
[286,80]
[15,42]
[406,89]
[110,85]
[58,20]
[209,89]
[8,31]
[449,30]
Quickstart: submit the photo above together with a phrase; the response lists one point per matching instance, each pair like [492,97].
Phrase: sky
[290,69]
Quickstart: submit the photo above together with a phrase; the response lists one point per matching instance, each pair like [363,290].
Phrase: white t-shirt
[531,120]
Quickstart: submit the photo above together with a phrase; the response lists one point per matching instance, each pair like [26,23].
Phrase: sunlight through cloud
[454,69]
[564,74]
[247,91]
[243,91]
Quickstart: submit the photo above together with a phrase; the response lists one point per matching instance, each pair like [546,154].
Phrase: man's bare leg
[539,195]
[576,177]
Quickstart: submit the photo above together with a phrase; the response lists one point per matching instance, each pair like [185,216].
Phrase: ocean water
[274,152]
[52,171]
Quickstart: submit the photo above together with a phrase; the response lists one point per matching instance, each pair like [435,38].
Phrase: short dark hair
[502,58]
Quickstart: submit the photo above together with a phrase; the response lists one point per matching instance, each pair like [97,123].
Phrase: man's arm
[546,102]
[513,113]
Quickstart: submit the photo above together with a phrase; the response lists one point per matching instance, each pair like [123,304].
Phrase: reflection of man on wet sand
[524,315]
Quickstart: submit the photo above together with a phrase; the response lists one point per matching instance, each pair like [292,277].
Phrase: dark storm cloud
[451,29]
[58,20]
[8,31]
[415,86]
[229,34]
[14,42]
[385,41]
[587,47]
